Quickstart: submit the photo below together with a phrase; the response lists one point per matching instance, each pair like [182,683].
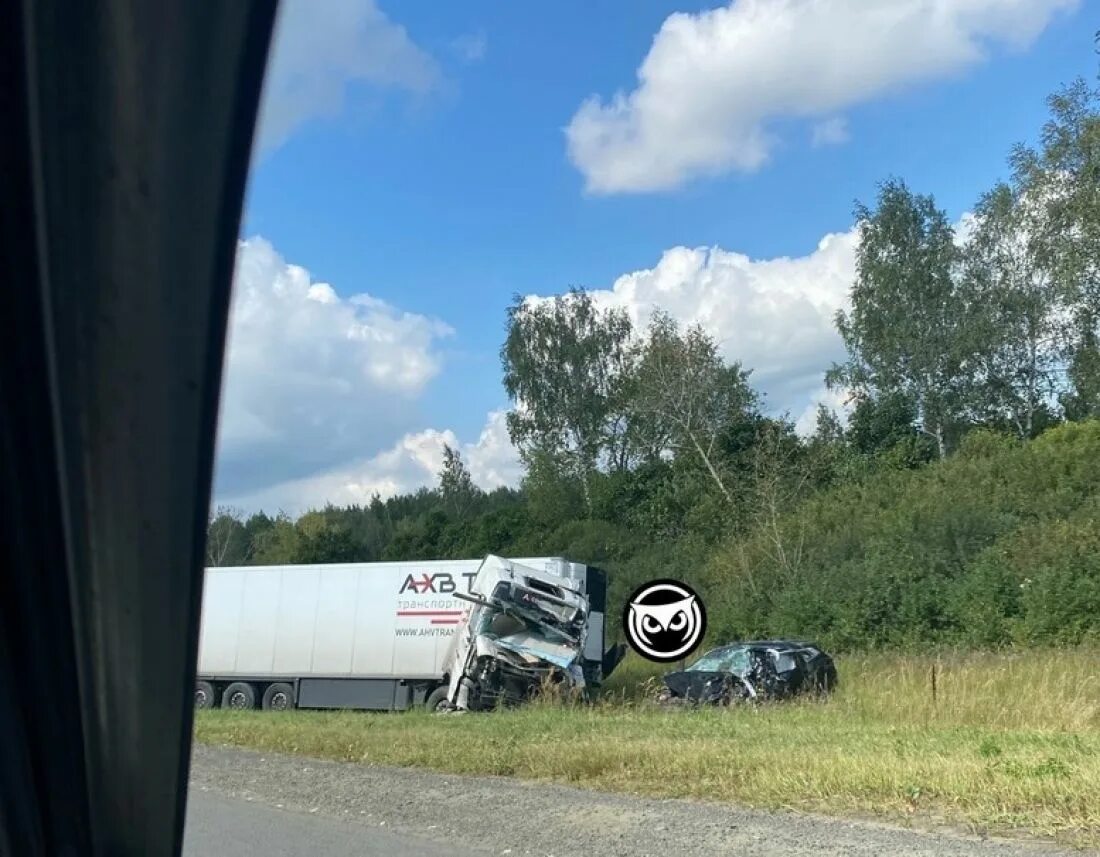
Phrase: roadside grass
[1010,743]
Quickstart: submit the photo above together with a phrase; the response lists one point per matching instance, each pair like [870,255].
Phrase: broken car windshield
[722,660]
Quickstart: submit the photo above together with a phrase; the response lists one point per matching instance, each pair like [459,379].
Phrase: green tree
[456,486]
[829,455]
[828,428]
[1082,400]
[553,496]
[419,538]
[907,330]
[326,545]
[277,544]
[365,527]
[565,366]
[686,396]
[782,477]
[1062,178]
[255,527]
[321,540]
[227,540]
[1014,311]
[882,431]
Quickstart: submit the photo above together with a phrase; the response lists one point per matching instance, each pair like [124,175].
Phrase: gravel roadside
[516,817]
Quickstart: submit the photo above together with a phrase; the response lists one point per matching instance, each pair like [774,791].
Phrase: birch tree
[227,541]
[1014,310]
[566,364]
[1063,176]
[907,330]
[686,395]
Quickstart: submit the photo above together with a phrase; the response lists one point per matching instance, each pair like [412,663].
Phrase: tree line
[648,452]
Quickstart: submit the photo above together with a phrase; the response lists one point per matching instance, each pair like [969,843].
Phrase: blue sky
[439,158]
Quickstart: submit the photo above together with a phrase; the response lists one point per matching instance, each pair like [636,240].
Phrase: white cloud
[492,459]
[414,461]
[830,132]
[319,385]
[713,82]
[313,379]
[321,49]
[471,47]
[774,315]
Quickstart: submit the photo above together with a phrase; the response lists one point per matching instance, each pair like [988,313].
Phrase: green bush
[999,544]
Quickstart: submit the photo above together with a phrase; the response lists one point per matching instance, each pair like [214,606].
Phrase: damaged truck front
[525,630]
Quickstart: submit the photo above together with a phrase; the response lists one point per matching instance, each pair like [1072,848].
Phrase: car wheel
[239,696]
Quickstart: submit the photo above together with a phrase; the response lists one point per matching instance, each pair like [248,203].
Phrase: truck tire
[204,695]
[239,696]
[437,699]
[278,697]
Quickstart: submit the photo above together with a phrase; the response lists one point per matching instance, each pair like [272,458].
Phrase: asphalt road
[218,825]
[246,803]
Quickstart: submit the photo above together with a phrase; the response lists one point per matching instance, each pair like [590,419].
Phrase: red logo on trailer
[435,617]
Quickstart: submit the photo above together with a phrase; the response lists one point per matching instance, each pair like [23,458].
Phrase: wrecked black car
[748,671]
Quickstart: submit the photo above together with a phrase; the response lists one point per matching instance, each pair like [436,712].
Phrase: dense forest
[958,502]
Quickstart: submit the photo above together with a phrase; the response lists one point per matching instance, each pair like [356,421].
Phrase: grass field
[1011,742]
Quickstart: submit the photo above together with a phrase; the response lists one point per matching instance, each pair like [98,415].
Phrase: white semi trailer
[362,635]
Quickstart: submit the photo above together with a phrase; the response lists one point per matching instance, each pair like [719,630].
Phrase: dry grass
[1011,741]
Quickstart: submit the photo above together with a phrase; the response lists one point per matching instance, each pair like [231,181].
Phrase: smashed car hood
[698,685]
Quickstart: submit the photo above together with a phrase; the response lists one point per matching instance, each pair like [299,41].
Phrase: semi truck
[373,636]
[526,631]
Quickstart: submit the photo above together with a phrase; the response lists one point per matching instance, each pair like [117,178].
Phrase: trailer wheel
[204,695]
[437,699]
[239,696]
[278,697]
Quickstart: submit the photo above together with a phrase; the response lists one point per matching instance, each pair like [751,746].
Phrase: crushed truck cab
[525,629]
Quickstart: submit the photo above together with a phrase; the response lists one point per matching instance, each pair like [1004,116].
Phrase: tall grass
[1045,690]
[1041,689]
[1007,741]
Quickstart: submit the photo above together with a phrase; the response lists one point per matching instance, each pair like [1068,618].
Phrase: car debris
[751,671]
[525,631]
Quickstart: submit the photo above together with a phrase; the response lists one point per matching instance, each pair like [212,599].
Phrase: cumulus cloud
[414,461]
[313,379]
[323,48]
[310,371]
[319,385]
[774,315]
[713,82]
[831,132]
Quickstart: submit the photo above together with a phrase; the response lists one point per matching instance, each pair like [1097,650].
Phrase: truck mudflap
[612,658]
